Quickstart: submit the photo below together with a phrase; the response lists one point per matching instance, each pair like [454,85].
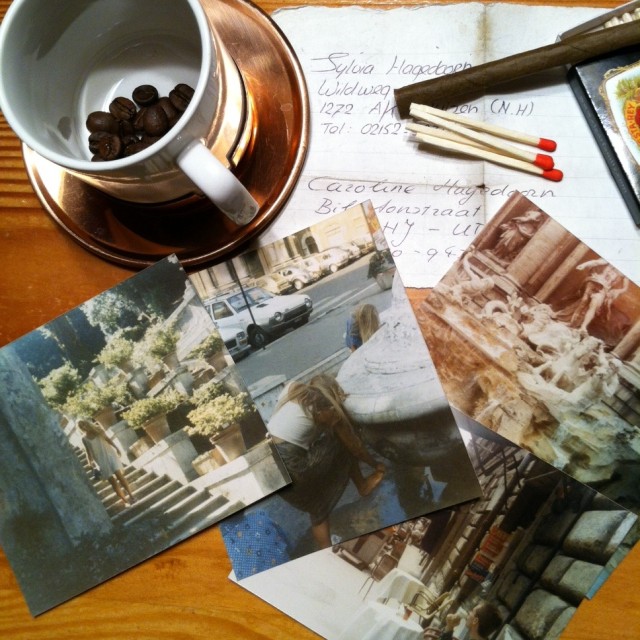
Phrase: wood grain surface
[183,593]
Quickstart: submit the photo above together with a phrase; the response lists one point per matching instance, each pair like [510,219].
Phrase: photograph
[513,565]
[124,429]
[343,379]
[537,337]
[621,89]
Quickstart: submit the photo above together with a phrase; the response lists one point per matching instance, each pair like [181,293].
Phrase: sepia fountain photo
[538,338]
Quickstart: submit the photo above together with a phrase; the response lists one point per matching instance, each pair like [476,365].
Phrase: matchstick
[516,136]
[415,127]
[539,159]
[443,134]
[490,156]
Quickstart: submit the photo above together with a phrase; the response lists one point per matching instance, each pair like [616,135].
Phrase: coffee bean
[123,108]
[172,113]
[145,94]
[155,121]
[127,129]
[134,148]
[94,140]
[129,140]
[127,133]
[181,96]
[110,147]
[101,121]
[168,108]
[138,121]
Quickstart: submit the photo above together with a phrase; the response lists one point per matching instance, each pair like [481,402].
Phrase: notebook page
[432,205]
[587,201]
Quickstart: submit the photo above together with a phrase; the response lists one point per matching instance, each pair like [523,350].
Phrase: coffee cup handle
[218,183]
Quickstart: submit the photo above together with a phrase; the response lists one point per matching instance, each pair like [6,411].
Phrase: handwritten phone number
[450,253]
[367,129]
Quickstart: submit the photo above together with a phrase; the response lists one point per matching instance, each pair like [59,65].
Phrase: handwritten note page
[432,204]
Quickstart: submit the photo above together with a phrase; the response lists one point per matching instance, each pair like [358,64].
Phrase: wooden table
[184,592]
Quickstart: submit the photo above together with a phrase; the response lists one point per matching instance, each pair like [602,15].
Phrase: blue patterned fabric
[254,543]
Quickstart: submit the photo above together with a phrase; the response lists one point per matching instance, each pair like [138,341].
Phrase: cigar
[474,80]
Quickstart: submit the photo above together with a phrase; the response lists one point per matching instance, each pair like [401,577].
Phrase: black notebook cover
[608,91]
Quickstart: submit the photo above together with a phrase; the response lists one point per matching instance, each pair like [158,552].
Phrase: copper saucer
[137,235]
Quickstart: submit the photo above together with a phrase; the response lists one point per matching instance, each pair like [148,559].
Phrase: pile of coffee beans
[132,125]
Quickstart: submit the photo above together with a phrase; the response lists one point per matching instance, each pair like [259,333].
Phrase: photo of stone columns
[538,338]
[124,429]
[521,558]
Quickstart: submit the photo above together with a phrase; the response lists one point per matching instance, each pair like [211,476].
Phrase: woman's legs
[116,487]
[322,531]
[125,483]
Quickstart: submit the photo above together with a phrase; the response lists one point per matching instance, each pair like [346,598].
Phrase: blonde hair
[322,393]
[90,428]
[367,321]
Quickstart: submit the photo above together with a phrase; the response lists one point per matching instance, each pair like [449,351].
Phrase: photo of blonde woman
[104,454]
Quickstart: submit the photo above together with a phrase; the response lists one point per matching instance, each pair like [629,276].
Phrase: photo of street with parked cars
[264,294]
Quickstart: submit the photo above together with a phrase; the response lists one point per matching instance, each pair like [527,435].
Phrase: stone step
[188,504]
[138,483]
[194,518]
[185,509]
[174,506]
[159,501]
[133,476]
[141,490]
[145,507]
[203,518]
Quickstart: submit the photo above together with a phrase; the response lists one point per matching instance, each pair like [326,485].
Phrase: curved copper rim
[136,236]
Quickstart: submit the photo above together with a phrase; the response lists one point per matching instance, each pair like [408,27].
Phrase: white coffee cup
[60,61]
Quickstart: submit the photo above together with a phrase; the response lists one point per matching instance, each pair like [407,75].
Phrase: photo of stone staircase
[142,367]
[180,510]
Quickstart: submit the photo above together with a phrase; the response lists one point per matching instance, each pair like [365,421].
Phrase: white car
[274,283]
[334,259]
[261,314]
[235,340]
[365,244]
[352,249]
[312,265]
[296,276]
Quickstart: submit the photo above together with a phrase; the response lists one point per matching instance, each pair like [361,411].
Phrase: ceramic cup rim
[87,166]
